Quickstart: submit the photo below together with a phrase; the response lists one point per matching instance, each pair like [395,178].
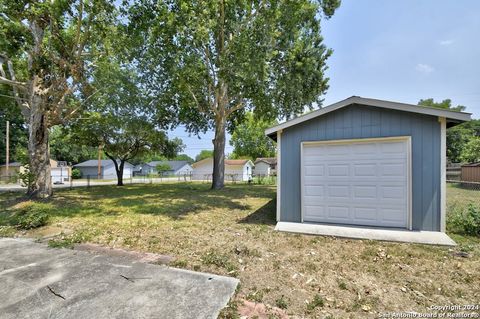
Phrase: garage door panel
[338,170]
[364,192]
[366,213]
[367,169]
[314,170]
[364,183]
[338,212]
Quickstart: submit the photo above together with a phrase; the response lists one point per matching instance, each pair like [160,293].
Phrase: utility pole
[7,144]
[99,169]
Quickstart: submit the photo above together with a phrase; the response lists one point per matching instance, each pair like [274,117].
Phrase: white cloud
[424,68]
[446,42]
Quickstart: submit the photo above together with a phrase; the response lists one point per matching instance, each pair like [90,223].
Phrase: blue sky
[397,50]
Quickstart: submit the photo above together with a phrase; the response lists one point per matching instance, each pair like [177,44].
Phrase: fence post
[88,181]
[71,182]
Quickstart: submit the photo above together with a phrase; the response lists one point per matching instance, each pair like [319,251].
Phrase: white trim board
[370,233]
[458,116]
[406,139]
[443,173]
[279,173]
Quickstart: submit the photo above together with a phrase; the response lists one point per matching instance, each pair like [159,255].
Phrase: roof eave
[453,117]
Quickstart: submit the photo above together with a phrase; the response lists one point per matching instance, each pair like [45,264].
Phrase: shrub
[76,173]
[32,216]
[26,177]
[466,221]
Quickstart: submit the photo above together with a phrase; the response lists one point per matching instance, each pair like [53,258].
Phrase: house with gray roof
[107,169]
[176,168]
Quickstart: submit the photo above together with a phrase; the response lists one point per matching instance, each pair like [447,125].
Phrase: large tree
[249,139]
[47,49]
[119,119]
[18,131]
[459,135]
[214,60]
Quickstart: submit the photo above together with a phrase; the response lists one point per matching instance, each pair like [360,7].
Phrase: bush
[32,219]
[27,178]
[76,173]
[466,221]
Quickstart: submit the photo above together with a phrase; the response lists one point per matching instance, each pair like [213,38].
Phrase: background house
[365,162]
[13,169]
[90,168]
[265,166]
[60,172]
[235,170]
[176,168]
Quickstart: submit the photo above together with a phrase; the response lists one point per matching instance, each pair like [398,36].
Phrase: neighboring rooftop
[174,165]
[233,162]
[268,160]
[12,164]
[94,163]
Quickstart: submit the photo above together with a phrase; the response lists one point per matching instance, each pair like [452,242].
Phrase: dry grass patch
[231,232]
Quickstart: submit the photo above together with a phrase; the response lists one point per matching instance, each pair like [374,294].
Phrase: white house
[60,172]
[265,166]
[235,170]
[107,169]
[177,168]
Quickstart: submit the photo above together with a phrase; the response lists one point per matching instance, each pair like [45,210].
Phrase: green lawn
[230,232]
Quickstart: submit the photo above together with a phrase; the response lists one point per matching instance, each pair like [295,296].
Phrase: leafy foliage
[466,221]
[63,147]
[163,167]
[445,104]
[76,173]
[27,178]
[203,155]
[18,131]
[249,139]
[459,135]
[48,50]
[118,119]
[214,60]
[471,151]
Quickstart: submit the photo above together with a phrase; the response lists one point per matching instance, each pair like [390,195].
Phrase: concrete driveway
[41,282]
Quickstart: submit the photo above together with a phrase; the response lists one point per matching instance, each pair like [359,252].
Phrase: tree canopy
[118,119]
[214,60]
[459,135]
[203,155]
[47,52]
[249,139]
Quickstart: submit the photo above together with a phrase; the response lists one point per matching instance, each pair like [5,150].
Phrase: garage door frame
[407,139]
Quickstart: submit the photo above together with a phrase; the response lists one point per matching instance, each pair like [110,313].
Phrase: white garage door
[358,182]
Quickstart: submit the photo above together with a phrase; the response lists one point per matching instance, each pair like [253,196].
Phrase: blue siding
[359,121]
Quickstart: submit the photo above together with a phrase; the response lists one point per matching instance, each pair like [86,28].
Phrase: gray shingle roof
[94,163]
[174,165]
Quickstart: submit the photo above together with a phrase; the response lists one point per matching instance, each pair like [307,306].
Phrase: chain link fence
[14,182]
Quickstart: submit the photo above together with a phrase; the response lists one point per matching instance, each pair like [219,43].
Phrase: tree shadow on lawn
[265,215]
[171,200]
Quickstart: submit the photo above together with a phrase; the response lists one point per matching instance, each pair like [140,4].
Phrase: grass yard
[230,232]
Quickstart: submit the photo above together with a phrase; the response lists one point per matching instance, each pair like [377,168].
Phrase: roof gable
[451,116]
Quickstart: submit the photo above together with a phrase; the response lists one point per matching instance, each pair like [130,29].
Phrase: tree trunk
[119,170]
[39,157]
[219,153]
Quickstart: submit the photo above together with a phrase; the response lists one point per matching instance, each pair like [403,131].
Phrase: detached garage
[372,165]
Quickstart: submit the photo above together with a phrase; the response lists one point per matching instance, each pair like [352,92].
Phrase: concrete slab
[41,282]
[357,232]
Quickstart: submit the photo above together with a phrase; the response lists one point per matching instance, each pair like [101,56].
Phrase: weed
[179,263]
[342,285]
[217,259]
[465,221]
[31,216]
[281,303]
[315,303]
